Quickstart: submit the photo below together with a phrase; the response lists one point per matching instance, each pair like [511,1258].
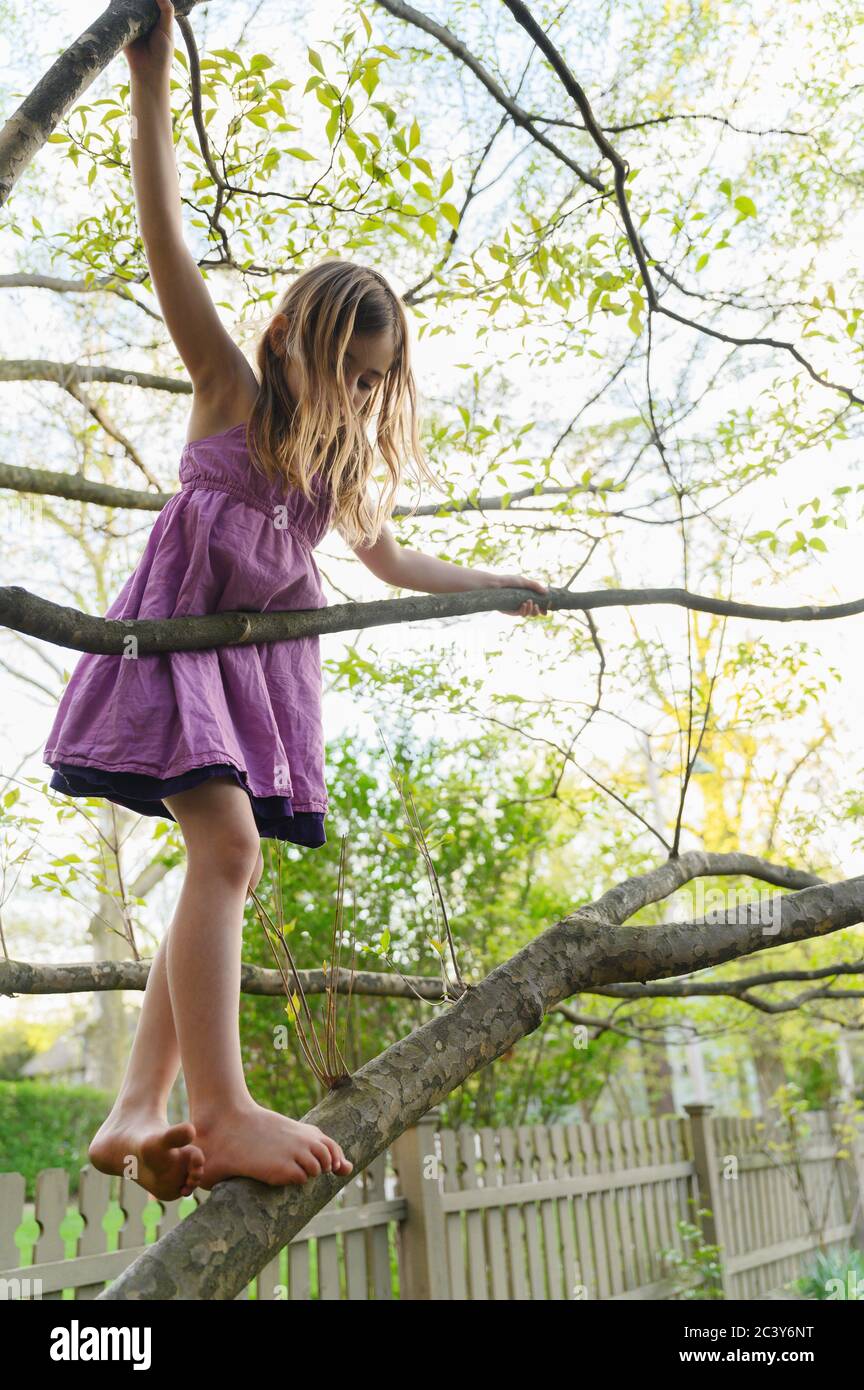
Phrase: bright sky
[36,326]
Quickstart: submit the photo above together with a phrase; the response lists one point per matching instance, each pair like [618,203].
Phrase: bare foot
[160,1157]
[258,1143]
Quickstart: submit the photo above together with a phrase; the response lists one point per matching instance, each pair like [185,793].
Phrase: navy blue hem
[274,816]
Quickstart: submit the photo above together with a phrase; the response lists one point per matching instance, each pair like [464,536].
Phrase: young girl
[228,741]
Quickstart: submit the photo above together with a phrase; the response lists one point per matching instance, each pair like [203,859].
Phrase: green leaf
[229,55]
[745,206]
[315,59]
[370,79]
[299,154]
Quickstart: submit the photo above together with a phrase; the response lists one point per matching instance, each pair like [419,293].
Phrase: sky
[34,326]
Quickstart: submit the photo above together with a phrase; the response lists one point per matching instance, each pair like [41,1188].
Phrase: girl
[228,741]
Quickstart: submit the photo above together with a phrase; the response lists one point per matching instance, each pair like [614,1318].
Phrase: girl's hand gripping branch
[149,57]
[528,609]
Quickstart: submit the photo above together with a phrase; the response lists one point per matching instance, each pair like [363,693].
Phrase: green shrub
[834,1276]
[697,1271]
[48,1126]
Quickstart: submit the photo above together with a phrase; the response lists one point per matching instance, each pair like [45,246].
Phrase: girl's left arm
[411,569]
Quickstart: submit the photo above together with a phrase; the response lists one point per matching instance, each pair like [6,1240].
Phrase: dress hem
[276,817]
[147,770]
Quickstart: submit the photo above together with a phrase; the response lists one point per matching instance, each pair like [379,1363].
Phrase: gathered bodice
[221,462]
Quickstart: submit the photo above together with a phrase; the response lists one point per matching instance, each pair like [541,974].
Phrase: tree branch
[519,116]
[104,284]
[68,374]
[68,627]
[50,484]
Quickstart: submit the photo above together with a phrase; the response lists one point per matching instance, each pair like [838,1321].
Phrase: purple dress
[135,729]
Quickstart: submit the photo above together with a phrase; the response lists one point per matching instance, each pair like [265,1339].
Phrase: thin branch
[101,416]
[103,284]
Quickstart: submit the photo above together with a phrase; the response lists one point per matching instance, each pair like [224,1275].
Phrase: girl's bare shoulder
[215,412]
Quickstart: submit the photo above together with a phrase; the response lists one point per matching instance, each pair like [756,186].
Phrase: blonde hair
[320,439]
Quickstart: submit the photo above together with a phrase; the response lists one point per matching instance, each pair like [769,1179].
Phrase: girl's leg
[135,1139]
[155,1057]
[239,1137]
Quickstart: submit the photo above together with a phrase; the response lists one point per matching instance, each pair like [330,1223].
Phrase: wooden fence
[562,1211]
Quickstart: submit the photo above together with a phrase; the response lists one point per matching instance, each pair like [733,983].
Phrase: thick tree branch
[45,482]
[67,627]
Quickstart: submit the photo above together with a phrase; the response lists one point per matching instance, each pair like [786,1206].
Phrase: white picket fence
[557,1211]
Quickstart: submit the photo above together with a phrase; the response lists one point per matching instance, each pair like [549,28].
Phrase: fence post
[423,1262]
[708,1181]
[855,1167]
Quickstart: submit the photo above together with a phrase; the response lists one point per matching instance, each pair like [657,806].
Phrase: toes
[177,1135]
[340,1162]
[322,1151]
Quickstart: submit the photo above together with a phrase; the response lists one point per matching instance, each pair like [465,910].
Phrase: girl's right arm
[219,372]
